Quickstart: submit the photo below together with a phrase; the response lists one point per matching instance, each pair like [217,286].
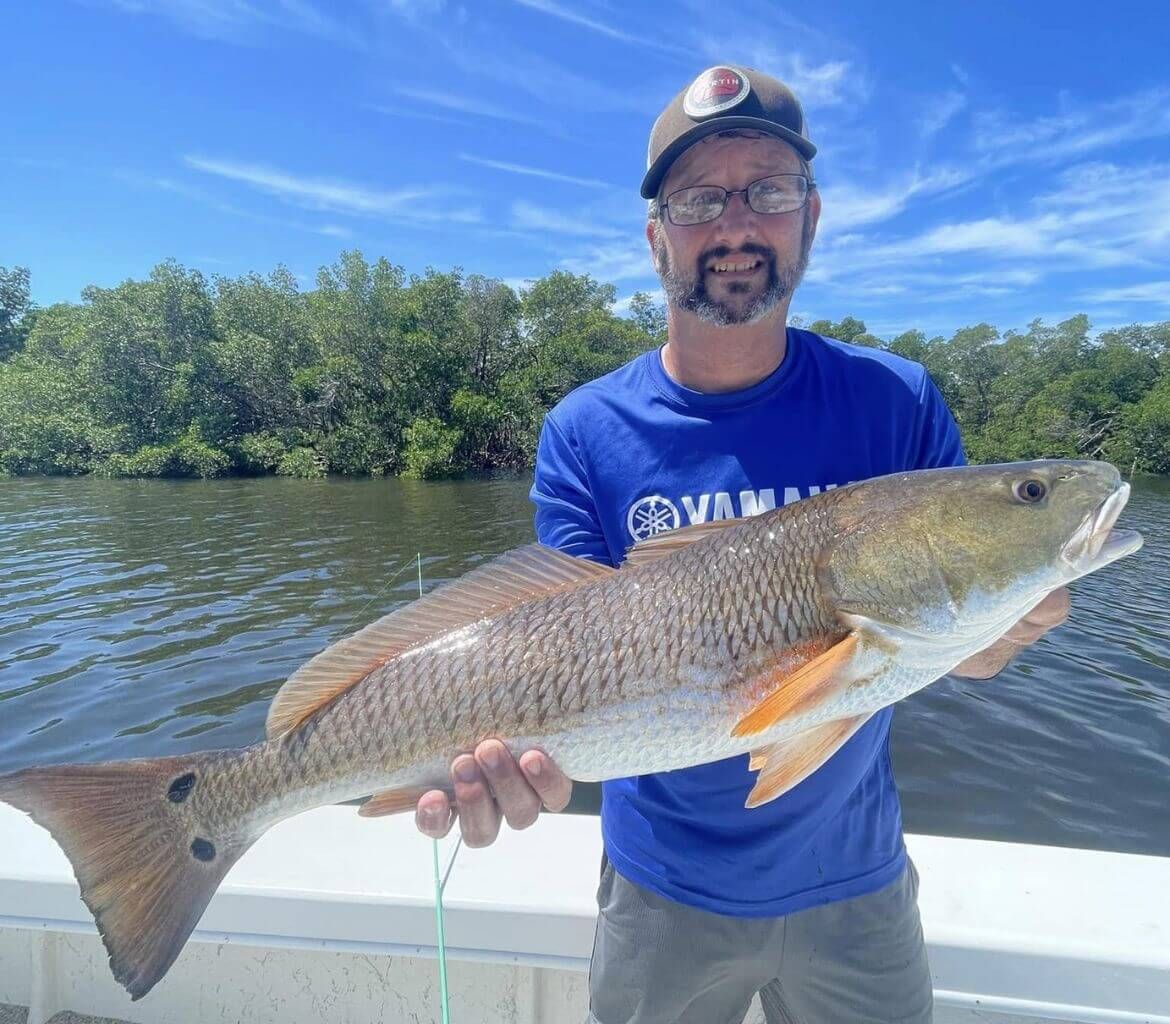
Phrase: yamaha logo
[651,515]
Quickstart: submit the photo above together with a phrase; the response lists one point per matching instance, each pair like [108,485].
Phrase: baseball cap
[720,98]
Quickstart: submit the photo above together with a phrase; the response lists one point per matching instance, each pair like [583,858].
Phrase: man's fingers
[988,662]
[518,801]
[479,818]
[1048,614]
[1052,611]
[434,814]
[1023,633]
[489,783]
[553,785]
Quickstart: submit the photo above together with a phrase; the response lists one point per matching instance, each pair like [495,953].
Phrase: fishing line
[440,881]
[440,885]
[377,597]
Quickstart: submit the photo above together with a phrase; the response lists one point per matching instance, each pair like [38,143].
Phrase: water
[159,617]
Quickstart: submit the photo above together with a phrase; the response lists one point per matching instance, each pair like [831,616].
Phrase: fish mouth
[1095,543]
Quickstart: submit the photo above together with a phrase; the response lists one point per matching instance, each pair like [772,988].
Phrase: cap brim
[658,169]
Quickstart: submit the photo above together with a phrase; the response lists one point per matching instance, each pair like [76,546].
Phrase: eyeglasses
[778,193]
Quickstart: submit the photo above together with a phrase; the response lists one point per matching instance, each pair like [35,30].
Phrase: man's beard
[690,293]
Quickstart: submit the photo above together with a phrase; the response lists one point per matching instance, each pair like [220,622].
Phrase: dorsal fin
[660,545]
[514,578]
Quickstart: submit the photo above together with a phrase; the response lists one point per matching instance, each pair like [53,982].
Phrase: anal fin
[392,801]
[786,763]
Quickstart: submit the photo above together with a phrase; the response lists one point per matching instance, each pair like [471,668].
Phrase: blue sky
[994,161]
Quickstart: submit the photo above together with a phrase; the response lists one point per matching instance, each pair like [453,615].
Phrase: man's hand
[1050,612]
[490,784]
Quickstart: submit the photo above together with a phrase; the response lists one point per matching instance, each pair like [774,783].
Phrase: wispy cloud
[241,21]
[416,11]
[198,195]
[532,80]
[465,105]
[573,17]
[848,206]
[535,80]
[1143,115]
[323,193]
[940,111]
[818,84]
[556,10]
[335,194]
[625,260]
[824,71]
[530,217]
[1093,218]
[1156,292]
[535,172]
[419,115]
[757,17]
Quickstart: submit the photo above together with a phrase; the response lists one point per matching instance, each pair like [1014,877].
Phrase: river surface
[140,618]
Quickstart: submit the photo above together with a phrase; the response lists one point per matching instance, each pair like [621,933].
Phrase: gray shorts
[656,961]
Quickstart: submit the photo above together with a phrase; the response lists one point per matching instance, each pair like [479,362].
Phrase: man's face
[739,267]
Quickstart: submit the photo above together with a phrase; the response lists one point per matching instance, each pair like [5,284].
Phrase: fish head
[951,558]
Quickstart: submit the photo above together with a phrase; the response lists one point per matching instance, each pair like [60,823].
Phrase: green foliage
[356,448]
[45,426]
[430,449]
[301,462]
[650,316]
[260,452]
[188,455]
[440,374]
[850,329]
[14,309]
[1143,437]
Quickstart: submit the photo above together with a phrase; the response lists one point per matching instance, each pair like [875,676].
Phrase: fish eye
[1030,491]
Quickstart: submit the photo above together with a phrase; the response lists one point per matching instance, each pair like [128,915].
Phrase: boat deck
[329,917]
[19,1015]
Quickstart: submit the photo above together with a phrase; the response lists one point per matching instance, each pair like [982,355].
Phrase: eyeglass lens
[779,193]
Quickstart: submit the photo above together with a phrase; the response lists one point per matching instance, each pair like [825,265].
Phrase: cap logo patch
[714,91]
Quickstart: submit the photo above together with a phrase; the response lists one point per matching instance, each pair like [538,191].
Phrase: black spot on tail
[203,850]
[181,788]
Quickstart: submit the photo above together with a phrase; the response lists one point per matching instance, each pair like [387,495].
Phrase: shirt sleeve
[939,443]
[566,514]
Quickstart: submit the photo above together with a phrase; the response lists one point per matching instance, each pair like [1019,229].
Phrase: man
[810,899]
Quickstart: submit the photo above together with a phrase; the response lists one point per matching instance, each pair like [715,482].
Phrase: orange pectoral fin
[799,690]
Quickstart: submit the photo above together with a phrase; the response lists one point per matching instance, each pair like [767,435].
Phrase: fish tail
[146,866]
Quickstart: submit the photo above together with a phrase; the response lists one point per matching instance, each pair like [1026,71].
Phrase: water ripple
[140,618]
